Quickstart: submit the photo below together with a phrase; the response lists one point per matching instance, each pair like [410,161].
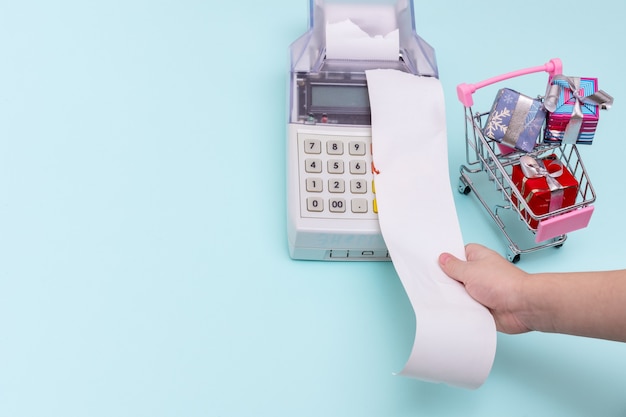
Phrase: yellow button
[375,206]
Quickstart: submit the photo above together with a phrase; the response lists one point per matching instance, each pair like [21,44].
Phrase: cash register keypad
[336,176]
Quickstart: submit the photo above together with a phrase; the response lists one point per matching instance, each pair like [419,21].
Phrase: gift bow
[532,169]
[598,98]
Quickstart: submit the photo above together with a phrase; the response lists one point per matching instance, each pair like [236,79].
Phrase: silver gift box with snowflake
[515,120]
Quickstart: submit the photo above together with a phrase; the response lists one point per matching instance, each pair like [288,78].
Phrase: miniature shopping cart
[488,173]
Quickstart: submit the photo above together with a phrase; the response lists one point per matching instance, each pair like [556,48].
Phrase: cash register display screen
[339,96]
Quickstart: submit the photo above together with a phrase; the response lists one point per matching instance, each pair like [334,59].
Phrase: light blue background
[143,255]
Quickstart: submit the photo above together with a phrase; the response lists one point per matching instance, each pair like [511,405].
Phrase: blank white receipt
[455,336]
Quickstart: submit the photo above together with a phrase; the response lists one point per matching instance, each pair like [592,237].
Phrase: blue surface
[143,250]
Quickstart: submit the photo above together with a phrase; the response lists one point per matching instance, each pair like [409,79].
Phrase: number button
[336,185]
[358,186]
[312,146]
[337,205]
[314,185]
[334,147]
[359,205]
[335,166]
[315,204]
[357,167]
[357,148]
[313,165]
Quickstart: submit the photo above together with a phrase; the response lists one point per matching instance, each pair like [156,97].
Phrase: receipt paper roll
[455,336]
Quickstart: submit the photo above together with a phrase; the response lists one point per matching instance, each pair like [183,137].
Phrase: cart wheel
[558,246]
[512,257]
[463,187]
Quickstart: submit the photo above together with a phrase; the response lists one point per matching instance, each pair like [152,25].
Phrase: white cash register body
[331,205]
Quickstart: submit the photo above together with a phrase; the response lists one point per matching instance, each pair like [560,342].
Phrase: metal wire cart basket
[499,190]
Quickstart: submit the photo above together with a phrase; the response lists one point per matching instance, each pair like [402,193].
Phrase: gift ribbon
[532,169]
[518,121]
[598,98]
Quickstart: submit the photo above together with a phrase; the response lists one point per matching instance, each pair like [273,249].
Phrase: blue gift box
[558,119]
[515,120]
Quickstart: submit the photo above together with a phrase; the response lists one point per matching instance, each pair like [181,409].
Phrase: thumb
[452,266]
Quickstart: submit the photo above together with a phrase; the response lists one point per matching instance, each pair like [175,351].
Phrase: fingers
[456,268]
[452,266]
[474,251]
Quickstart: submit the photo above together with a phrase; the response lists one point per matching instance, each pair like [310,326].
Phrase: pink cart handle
[465,91]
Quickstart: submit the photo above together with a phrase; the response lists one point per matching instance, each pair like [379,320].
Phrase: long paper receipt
[455,336]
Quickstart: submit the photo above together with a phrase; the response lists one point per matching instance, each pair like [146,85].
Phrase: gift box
[515,120]
[546,185]
[574,105]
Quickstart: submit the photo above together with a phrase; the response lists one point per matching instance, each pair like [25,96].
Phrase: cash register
[331,196]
